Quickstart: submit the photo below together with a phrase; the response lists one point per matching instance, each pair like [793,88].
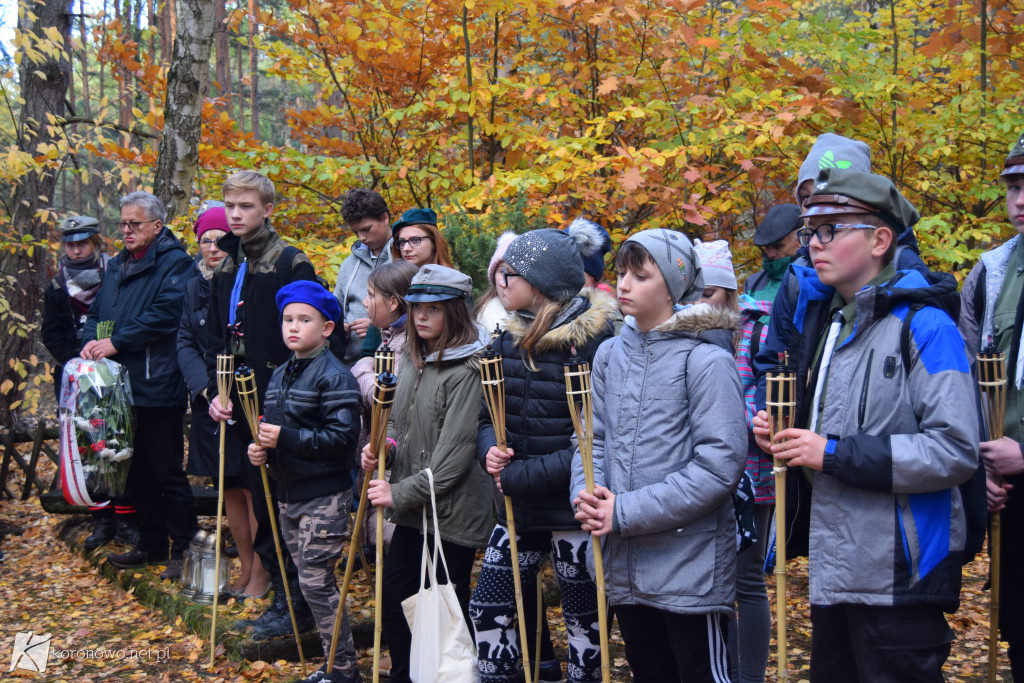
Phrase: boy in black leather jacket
[308,438]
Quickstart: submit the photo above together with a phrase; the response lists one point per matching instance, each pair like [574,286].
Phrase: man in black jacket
[142,293]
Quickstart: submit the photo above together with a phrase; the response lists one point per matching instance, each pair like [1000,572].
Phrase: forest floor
[100,632]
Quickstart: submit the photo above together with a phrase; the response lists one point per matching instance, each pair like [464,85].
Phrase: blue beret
[312,293]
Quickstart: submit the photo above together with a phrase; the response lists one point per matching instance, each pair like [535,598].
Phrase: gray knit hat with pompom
[552,260]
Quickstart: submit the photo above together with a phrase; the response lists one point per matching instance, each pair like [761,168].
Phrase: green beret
[839,191]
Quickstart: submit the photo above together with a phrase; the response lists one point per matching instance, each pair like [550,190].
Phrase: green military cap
[1015,161]
[839,191]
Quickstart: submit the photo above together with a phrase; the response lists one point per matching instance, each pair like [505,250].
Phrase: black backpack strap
[284,264]
[905,334]
[755,338]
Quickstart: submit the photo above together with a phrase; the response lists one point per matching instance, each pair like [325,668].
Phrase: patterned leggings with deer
[493,607]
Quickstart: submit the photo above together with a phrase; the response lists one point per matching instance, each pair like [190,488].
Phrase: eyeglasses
[413,242]
[207,242]
[826,232]
[133,225]
[506,275]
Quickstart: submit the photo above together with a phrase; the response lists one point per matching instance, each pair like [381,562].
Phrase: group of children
[886,430]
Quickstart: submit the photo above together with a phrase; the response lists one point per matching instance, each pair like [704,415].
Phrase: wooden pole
[225,367]
[383,400]
[992,384]
[581,407]
[781,404]
[493,379]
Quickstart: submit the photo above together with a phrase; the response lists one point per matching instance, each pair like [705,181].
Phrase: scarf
[777,268]
[82,279]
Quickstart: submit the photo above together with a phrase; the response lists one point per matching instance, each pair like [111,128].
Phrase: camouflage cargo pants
[315,532]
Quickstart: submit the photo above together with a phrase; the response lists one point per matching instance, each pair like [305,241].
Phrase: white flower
[108,453]
[84,425]
[121,455]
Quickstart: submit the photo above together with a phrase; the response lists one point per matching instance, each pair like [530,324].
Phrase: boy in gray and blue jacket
[670,444]
[888,431]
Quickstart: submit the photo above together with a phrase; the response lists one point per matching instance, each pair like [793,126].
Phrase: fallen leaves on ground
[102,633]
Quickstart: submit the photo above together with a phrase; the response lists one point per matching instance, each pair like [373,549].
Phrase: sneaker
[315,677]
[173,570]
[336,676]
[134,558]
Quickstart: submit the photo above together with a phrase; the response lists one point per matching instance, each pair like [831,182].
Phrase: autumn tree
[34,160]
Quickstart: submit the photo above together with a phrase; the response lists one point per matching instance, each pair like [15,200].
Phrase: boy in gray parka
[670,443]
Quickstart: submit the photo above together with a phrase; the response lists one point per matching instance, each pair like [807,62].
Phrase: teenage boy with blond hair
[887,430]
[243,321]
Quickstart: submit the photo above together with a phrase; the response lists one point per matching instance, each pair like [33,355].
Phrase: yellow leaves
[544,78]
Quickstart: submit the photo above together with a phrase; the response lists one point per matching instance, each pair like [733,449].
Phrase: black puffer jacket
[316,403]
[537,419]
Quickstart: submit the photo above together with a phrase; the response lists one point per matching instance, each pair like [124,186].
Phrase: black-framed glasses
[133,225]
[413,242]
[826,232]
[207,242]
[505,275]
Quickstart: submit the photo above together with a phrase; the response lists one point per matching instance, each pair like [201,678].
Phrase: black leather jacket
[316,402]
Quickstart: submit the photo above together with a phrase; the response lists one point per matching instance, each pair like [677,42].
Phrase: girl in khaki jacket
[433,425]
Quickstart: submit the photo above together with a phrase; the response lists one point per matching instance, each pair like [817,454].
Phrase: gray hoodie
[351,290]
[670,441]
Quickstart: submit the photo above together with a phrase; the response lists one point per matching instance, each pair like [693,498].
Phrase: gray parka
[670,441]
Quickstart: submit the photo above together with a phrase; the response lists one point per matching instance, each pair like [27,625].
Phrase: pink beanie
[499,254]
[214,218]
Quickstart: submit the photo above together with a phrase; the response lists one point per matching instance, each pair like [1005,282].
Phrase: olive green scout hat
[837,191]
[1015,161]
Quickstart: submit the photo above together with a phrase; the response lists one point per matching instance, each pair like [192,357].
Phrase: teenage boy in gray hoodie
[670,442]
[367,215]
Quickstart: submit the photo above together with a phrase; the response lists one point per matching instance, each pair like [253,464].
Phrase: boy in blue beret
[309,436]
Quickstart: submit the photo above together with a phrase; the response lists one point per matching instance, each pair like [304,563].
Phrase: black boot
[282,626]
[102,533]
[127,530]
[278,606]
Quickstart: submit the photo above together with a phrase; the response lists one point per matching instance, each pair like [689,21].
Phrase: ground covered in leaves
[100,632]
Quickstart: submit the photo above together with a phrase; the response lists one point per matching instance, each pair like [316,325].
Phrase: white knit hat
[716,263]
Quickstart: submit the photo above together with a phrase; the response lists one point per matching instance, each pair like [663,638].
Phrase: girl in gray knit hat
[550,321]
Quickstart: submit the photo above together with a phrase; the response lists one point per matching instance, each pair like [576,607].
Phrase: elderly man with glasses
[142,294]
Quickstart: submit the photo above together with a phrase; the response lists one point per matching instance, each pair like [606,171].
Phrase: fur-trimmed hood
[598,314]
[700,321]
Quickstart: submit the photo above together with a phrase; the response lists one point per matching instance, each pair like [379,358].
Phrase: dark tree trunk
[187,81]
[23,272]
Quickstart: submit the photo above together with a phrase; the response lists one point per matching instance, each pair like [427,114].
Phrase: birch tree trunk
[187,82]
